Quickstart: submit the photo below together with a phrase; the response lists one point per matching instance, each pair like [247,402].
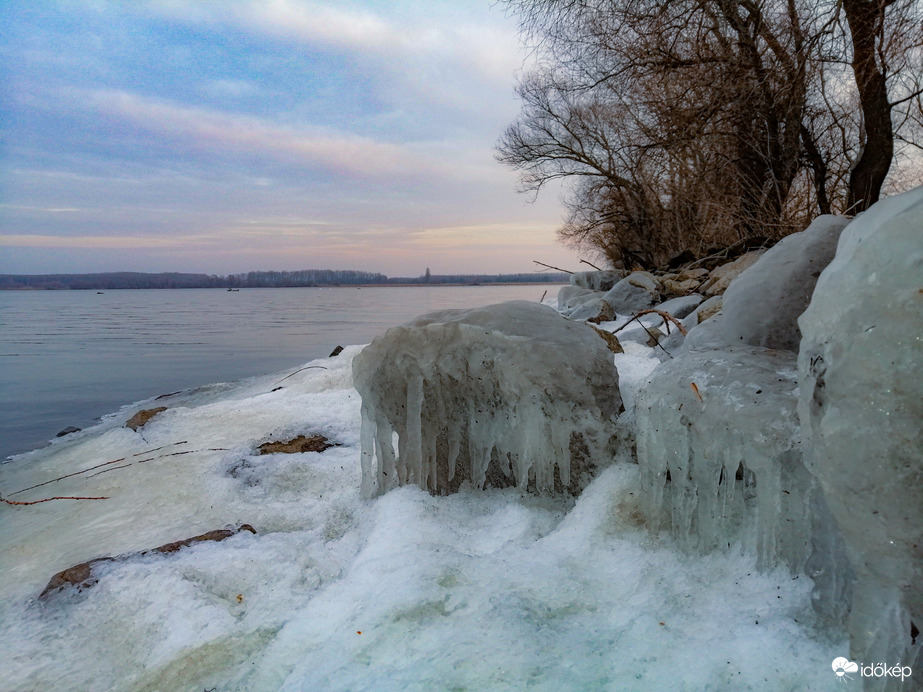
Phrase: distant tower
[427,276]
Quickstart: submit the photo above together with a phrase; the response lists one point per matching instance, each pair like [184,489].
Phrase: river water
[69,357]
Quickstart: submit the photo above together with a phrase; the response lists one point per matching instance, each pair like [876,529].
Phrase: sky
[222,136]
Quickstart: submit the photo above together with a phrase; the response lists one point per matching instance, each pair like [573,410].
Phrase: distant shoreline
[221,288]
[309,278]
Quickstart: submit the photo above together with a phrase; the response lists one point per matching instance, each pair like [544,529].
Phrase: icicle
[515,380]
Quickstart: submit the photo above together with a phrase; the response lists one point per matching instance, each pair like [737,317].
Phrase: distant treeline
[261,279]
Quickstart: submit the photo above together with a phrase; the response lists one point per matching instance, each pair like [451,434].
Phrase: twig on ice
[664,315]
[307,367]
[49,499]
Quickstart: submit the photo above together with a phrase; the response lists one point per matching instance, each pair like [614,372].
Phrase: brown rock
[612,341]
[315,443]
[217,535]
[720,278]
[140,419]
[81,576]
[606,313]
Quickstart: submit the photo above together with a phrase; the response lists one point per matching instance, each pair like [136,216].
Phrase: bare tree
[662,113]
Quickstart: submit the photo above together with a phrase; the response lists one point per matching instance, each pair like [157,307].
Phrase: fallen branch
[49,499]
[542,264]
[109,469]
[591,264]
[98,466]
[75,473]
[665,315]
[307,367]
[157,449]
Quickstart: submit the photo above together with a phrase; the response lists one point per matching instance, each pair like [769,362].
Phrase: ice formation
[717,443]
[479,590]
[637,291]
[506,393]
[861,408]
[762,305]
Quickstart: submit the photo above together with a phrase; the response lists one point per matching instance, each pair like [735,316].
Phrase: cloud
[93,242]
[213,129]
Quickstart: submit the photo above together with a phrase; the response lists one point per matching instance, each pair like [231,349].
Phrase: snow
[490,589]
[508,393]
[861,407]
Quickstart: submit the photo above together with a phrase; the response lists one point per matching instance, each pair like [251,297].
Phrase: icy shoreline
[687,570]
[480,590]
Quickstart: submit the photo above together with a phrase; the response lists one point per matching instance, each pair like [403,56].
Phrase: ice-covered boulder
[762,305]
[637,291]
[682,306]
[509,393]
[596,310]
[719,451]
[596,281]
[571,297]
[861,408]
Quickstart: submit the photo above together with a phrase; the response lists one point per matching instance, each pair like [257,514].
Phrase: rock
[654,336]
[678,287]
[571,297]
[606,314]
[82,576]
[216,535]
[596,310]
[335,352]
[612,341]
[720,278]
[68,431]
[682,306]
[707,309]
[140,419]
[508,394]
[598,280]
[861,406]
[297,445]
[762,305]
[637,291]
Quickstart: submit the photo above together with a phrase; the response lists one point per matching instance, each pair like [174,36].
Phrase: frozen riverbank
[480,590]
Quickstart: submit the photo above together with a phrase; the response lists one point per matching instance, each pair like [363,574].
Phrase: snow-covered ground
[490,590]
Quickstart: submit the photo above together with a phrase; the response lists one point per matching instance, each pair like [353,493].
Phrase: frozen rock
[762,305]
[637,291]
[141,418]
[509,393]
[706,310]
[721,277]
[595,309]
[861,407]
[596,281]
[570,297]
[682,306]
[719,451]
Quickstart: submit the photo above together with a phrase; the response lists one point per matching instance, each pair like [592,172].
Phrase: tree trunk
[865,18]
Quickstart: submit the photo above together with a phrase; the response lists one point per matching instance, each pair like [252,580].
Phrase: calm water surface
[68,357]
